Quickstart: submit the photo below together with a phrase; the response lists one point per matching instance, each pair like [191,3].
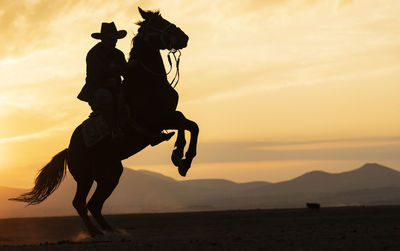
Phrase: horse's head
[160,33]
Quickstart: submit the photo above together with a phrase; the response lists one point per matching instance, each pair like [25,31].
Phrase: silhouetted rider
[105,65]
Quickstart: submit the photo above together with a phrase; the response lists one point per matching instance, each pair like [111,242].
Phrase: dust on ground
[346,228]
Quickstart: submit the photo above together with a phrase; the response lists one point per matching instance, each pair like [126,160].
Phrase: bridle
[161,33]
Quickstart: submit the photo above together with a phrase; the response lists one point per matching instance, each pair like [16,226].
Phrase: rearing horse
[151,98]
[152,102]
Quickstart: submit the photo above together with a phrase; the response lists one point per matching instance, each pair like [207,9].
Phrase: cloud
[268,7]
[47,95]
[26,26]
[363,149]
[32,108]
[333,144]
[343,3]
[15,121]
[36,135]
[238,50]
[257,89]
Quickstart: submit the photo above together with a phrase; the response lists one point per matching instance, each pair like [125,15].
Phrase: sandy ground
[348,228]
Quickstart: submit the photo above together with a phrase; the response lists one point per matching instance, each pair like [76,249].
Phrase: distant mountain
[145,191]
[366,177]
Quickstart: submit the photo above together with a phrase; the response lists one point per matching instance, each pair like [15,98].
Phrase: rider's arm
[120,68]
[100,68]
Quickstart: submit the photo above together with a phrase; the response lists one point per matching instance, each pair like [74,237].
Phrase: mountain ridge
[145,191]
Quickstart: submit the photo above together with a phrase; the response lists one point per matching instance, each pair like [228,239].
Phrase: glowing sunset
[277,87]
[282,134]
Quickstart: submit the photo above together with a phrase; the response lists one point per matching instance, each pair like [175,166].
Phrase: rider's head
[109,42]
[109,34]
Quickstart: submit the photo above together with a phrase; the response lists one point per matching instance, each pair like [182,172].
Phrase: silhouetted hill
[156,175]
[145,191]
[221,184]
[366,177]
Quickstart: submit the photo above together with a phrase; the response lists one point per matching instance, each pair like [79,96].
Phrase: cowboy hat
[109,30]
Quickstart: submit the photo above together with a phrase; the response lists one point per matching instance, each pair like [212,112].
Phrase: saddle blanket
[94,129]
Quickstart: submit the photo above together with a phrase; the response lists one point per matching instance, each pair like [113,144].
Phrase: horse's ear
[144,14]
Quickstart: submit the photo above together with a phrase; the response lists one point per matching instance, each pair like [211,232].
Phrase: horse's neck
[148,57]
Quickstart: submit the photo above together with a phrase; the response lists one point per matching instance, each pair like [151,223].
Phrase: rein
[160,33]
[177,74]
[177,60]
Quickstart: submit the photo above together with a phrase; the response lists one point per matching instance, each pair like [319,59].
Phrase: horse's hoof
[182,171]
[176,159]
[184,167]
[109,231]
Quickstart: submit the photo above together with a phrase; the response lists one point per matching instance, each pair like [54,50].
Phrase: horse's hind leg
[105,186]
[79,203]
[95,205]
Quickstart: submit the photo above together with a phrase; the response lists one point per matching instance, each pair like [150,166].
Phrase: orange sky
[277,87]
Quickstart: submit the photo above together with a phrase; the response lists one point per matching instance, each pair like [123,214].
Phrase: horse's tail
[47,181]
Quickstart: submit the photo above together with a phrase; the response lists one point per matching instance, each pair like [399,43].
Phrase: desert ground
[341,228]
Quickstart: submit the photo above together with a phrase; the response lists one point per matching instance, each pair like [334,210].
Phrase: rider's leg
[161,138]
[102,102]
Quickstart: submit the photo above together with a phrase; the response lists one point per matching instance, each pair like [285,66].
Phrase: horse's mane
[132,51]
[155,13]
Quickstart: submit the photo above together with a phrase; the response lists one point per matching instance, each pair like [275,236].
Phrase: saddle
[94,129]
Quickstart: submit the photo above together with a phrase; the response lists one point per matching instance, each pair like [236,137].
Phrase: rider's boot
[161,138]
[117,134]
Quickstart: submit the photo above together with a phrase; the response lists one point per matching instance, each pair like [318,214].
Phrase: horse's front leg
[176,121]
[179,122]
[177,153]
[193,128]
